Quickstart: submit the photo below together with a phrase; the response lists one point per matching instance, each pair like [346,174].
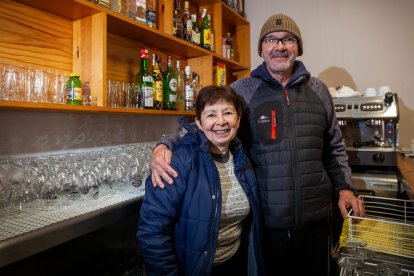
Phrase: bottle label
[173,84]
[151,18]
[148,79]
[172,98]
[207,37]
[77,93]
[70,93]
[148,96]
[196,38]
[158,91]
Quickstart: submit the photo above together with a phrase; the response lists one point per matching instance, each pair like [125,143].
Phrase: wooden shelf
[27,106]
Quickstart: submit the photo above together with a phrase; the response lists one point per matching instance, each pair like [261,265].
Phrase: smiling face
[219,122]
[279,58]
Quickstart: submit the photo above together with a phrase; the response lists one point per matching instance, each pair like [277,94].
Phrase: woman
[207,223]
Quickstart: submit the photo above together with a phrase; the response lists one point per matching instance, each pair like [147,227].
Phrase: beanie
[280,23]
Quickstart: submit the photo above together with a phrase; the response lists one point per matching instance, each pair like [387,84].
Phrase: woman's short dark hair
[211,94]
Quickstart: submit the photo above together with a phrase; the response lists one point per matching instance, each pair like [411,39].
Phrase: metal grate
[24,222]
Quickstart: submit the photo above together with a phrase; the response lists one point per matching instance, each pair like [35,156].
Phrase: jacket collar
[300,73]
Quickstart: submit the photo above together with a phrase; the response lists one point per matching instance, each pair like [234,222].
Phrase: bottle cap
[144,53]
[74,75]
[187,70]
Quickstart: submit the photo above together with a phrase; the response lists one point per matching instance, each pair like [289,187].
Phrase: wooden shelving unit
[99,44]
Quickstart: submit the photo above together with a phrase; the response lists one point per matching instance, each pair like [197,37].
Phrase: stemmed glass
[23,194]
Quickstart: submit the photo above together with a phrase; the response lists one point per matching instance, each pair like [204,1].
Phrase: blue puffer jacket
[178,226]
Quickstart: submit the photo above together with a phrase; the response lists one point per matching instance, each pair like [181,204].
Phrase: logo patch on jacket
[263,120]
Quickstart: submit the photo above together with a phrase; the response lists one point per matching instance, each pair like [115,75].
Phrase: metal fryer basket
[388,226]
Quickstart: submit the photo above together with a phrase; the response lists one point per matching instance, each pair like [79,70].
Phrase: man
[292,135]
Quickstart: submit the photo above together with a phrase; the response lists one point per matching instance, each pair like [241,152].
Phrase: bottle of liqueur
[157,84]
[179,75]
[170,87]
[151,14]
[195,36]
[177,20]
[188,24]
[205,31]
[143,84]
[188,90]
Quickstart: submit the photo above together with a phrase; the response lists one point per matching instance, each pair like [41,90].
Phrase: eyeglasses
[273,41]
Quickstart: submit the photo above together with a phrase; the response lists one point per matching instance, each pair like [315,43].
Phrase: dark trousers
[236,265]
[297,252]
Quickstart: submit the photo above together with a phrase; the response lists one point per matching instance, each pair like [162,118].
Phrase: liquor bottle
[143,84]
[187,23]
[205,32]
[188,90]
[179,75]
[157,84]
[212,34]
[170,87]
[224,46]
[177,20]
[196,86]
[141,6]
[229,45]
[195,36]
[151,14]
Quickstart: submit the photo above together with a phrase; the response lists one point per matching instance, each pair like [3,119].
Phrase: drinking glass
[351,266]
[388,269]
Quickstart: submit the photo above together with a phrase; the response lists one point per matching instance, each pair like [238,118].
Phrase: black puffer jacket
[295,143]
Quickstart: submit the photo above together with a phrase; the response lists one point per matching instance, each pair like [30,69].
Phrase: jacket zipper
[213,226]
[294,163]
[274,124]
[287,97]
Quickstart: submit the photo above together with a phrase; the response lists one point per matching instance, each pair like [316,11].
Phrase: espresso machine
[369,128]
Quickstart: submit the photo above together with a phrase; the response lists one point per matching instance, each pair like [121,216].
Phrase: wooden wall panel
[34,38]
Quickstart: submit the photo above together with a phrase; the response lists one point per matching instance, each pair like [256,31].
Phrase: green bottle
[169,87]
[143,84]
[74,90]
[206,31]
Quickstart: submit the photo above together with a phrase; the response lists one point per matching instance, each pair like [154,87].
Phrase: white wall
[359,43]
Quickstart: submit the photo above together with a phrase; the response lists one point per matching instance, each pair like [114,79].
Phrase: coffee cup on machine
[370,92]
[383,90]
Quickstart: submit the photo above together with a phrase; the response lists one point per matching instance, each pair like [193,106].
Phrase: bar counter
[25,235]
[406,168]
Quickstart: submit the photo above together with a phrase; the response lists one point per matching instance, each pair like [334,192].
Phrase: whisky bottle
[157,84]
[188,24]
[170,87]
[177,20]
[205,31]
[179,75]
[188,90]
[144,84]
[195,36]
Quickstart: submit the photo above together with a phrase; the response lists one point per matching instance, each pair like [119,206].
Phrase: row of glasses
[121,94]
[35,183]
[27,84]
[354,265]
